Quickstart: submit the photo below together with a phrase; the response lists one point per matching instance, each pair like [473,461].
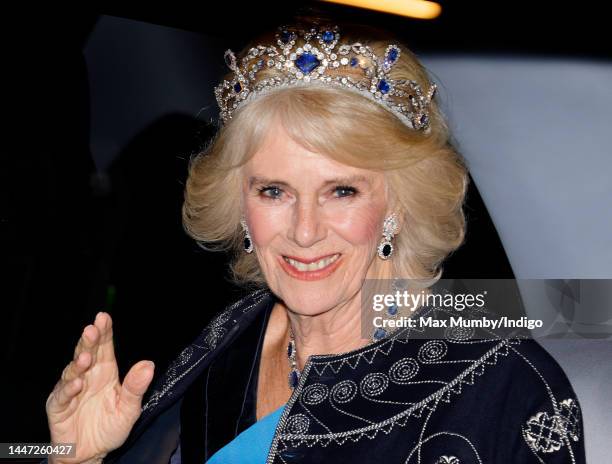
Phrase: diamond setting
[316,56]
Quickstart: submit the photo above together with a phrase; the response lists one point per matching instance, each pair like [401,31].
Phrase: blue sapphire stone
[380,333]
[285,36]
[392,310]
[289,350]
[424,120]
[392,56]
[386,250]
[383,86]
[328,36]
[237,87]
[354,62]
[294,378]
[307,62]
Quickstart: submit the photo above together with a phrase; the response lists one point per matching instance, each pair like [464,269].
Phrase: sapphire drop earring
[385,247]
[248,243]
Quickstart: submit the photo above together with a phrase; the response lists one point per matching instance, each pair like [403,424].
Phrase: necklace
[392,312]
[294,373]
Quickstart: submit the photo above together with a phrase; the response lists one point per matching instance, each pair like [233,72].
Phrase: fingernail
[146,364]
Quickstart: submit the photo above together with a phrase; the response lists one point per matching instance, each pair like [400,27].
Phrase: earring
[248,243]
[390,226]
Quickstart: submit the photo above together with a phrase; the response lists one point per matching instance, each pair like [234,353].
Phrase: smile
[311,271]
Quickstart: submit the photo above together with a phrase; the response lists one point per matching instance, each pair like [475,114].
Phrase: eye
[274,195]
[345,191]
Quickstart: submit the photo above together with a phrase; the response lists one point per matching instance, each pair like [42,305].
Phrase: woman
[333,167]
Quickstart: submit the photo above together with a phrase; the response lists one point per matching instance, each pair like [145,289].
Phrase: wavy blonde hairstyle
[426,176]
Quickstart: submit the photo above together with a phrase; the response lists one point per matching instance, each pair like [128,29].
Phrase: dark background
[74,243]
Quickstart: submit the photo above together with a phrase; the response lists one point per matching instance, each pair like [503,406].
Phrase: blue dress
[252,445]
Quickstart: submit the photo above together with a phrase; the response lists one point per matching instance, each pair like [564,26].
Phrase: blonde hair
[427,177]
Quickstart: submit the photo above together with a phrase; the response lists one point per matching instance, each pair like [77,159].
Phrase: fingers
[84,354]
[94,341]
[134,386]
[95,344]
[106,350]
[88,341]
[77,367]
[61,397]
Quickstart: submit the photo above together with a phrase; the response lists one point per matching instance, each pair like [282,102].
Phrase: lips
[310,269]
[313,260]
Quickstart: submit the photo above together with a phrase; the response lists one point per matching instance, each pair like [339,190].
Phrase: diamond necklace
[294,373]
[392,311]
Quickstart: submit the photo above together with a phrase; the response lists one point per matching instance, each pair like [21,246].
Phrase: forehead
[282,157]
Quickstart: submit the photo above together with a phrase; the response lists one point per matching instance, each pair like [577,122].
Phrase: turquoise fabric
[252,445]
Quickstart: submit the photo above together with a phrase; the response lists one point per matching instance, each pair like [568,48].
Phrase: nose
[307,226]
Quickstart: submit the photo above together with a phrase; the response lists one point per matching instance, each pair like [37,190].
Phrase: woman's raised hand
[89,406]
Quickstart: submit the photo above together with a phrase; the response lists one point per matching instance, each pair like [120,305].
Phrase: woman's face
[301,206]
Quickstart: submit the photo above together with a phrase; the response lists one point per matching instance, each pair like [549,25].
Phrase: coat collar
[354,394]
[386,384]
[186,368]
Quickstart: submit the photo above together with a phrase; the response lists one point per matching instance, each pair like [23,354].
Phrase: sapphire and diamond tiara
[317,61]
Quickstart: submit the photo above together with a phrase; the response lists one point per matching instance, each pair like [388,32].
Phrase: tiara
[317,61]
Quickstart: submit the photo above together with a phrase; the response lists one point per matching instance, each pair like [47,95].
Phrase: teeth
[312,266]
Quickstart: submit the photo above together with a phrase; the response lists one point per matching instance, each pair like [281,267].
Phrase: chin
[301,301]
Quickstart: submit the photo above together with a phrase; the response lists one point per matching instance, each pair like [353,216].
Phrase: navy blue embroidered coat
[449,400]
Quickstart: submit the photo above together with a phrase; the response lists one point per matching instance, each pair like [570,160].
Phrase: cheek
[359,226]
[265,223]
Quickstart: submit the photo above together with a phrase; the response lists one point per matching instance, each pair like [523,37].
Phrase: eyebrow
[258,180]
